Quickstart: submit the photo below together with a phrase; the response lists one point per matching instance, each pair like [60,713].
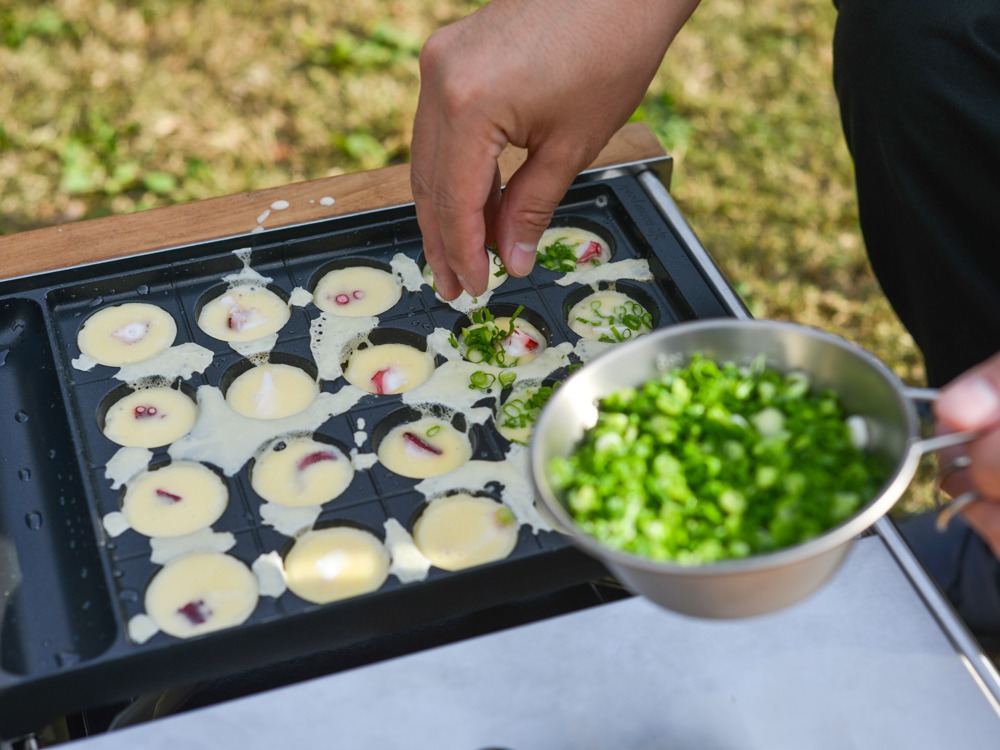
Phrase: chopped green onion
[710,462]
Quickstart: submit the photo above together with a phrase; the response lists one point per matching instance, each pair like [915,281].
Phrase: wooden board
[89,241]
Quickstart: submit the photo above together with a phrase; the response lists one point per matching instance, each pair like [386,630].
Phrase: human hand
[972,402]
[555,77]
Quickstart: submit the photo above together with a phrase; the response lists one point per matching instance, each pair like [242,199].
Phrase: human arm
[555,77]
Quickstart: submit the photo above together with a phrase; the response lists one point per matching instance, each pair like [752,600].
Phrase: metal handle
[945,440]
[946,511]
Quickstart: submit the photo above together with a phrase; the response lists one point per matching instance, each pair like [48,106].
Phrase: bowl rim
[841,534]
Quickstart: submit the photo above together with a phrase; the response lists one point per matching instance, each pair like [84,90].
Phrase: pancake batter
[244,313]
[272,391]
[325,565]
[424,448]
[571,249]
[126,334]
[300,471]
[201,593]
[389,368]
[177,499]
[357,291]
[460,531]
[609,316]
[150,417]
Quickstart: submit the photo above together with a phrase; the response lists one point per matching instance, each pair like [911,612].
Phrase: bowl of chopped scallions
[722,468]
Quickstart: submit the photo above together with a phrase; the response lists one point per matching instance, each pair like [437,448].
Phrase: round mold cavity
[320,489]
[220,290]
[138,331]
[392,338]
[520,434]
[506,310]
[200,609]
[131,399]
[189,523]
[348,545]
[559,223]
[464,529]
[354,305]
[438,440]
[284,360]
[632,291]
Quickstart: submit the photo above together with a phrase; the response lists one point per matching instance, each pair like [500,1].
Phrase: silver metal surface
[861,665]
[761,583]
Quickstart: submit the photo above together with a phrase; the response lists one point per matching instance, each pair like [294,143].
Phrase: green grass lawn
[110,107]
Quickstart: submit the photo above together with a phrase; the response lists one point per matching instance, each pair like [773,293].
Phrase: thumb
[529,200]
[972,400]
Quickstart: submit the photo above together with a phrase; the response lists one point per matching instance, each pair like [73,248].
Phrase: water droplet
[52,452]
[33,520]
[96,302]
[21,415]
[3,356]
[84,572]
[24,475]
[118,573]
[67,658]
[86,605]
[142,289]
[128,595]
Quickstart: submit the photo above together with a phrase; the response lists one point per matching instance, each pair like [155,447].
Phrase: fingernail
[969,403]
[467,286]
[522,259]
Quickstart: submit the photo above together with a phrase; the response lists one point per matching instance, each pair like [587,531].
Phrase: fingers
[972,402]
[531,197]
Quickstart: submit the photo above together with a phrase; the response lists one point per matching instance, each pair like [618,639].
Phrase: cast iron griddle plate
[64,642]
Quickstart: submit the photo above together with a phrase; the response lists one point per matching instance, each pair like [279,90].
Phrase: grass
[112,106]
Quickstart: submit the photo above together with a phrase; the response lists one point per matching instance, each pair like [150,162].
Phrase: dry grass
[114,106]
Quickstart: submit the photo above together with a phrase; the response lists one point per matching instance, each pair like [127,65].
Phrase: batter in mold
[300,471]
[463,530]
[424,448]
[357,291]
[201,593]
[501,342]
[516,417]
[244,313]
[571,249]
[272,391]
[609,316]
[177,499]
[150,417]
[126,334]
[389,368]
[326,565]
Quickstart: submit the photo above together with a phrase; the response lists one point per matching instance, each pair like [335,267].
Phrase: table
[877,659]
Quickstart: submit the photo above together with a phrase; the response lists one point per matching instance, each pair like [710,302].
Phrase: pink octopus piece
[388,380]
[313,458]
[345,299]
[196,612]
[593,250]
[519,343]
[240,318]
[425,447]
[169,496]
[144,412]
[131,333]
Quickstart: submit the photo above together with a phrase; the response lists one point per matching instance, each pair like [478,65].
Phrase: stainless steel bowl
[760,583]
